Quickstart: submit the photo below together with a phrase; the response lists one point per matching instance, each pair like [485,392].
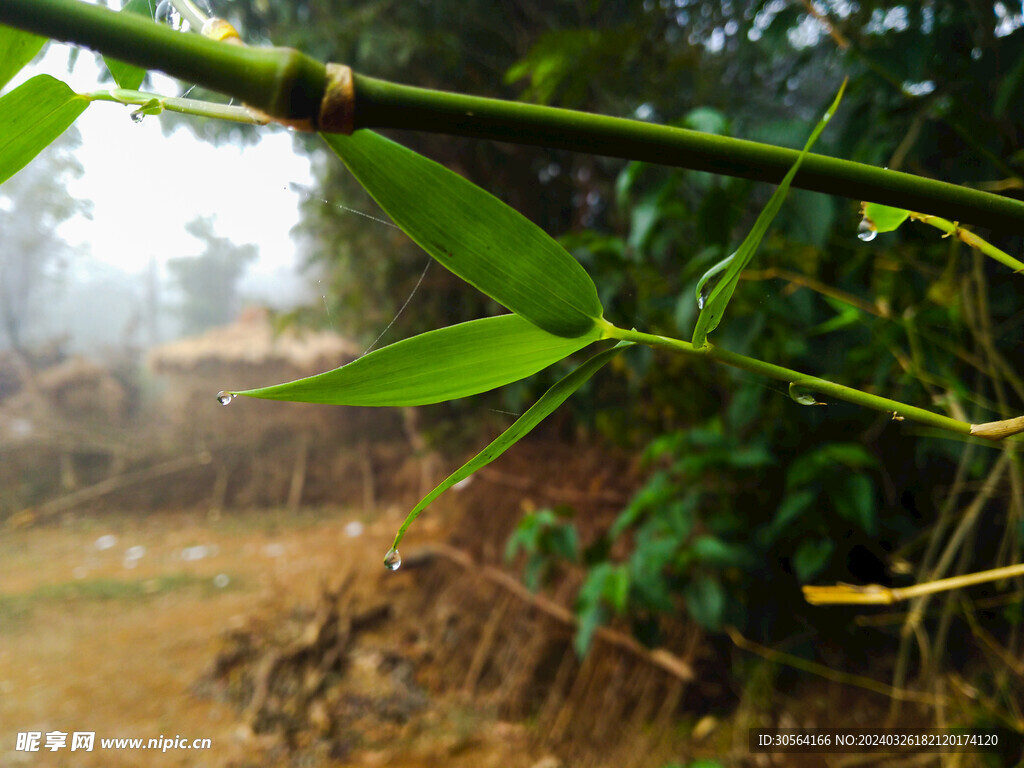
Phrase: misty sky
[145,186]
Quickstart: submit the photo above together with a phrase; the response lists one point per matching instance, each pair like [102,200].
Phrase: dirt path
[106,624]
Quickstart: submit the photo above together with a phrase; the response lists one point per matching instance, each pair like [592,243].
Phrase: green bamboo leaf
[475,235]
[128,75]
[714,299]
[17,49]
[446,364]
[31,116]
[540,410]
[881,218]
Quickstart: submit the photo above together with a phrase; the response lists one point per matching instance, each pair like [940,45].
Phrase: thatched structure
[265,452]
[252,343]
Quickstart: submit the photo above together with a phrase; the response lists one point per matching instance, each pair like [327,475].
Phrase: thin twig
[659,657]
[828,673]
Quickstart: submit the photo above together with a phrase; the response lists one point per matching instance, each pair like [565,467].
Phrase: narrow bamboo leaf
[711,278]
[717,299]
[446,364]
[33,115]
[128,75]
[883,218]
[17,49]
[475,235]
[540,410]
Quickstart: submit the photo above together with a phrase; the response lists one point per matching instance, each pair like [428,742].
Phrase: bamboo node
[337,109]
[221,31]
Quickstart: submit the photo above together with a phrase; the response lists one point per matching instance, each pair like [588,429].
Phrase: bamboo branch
[876,594]
[238,114]
[953,229]
[992,431]
[304,93]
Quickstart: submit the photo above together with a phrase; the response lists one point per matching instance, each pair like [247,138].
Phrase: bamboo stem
[381,104]
[282,82]
[292,87]
[802,380]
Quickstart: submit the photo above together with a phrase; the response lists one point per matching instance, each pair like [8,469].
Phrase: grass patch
[18,608]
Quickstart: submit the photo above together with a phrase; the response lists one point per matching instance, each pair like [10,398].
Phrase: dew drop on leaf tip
[865,231]
[392,560]
[225,398]
[138,116]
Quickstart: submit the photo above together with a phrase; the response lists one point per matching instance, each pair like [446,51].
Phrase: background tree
[33,205]
[208,283]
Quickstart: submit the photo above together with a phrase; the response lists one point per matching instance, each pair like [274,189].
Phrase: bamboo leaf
[475,235]
[714,300]
[17,49]
[445,364]
[33,115]
[540,410]
[128,75]
[883,218]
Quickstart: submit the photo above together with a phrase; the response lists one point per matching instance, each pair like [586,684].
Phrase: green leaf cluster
[689,551]
[544,537]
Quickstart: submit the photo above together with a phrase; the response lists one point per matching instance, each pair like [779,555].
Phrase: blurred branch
[817,286]
[828,673]
[876,594]
[121,481]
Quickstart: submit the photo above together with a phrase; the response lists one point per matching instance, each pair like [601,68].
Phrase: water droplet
[865,231]
[802,396]
[138,116]
[225,398]
[710,280]
[392,560]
